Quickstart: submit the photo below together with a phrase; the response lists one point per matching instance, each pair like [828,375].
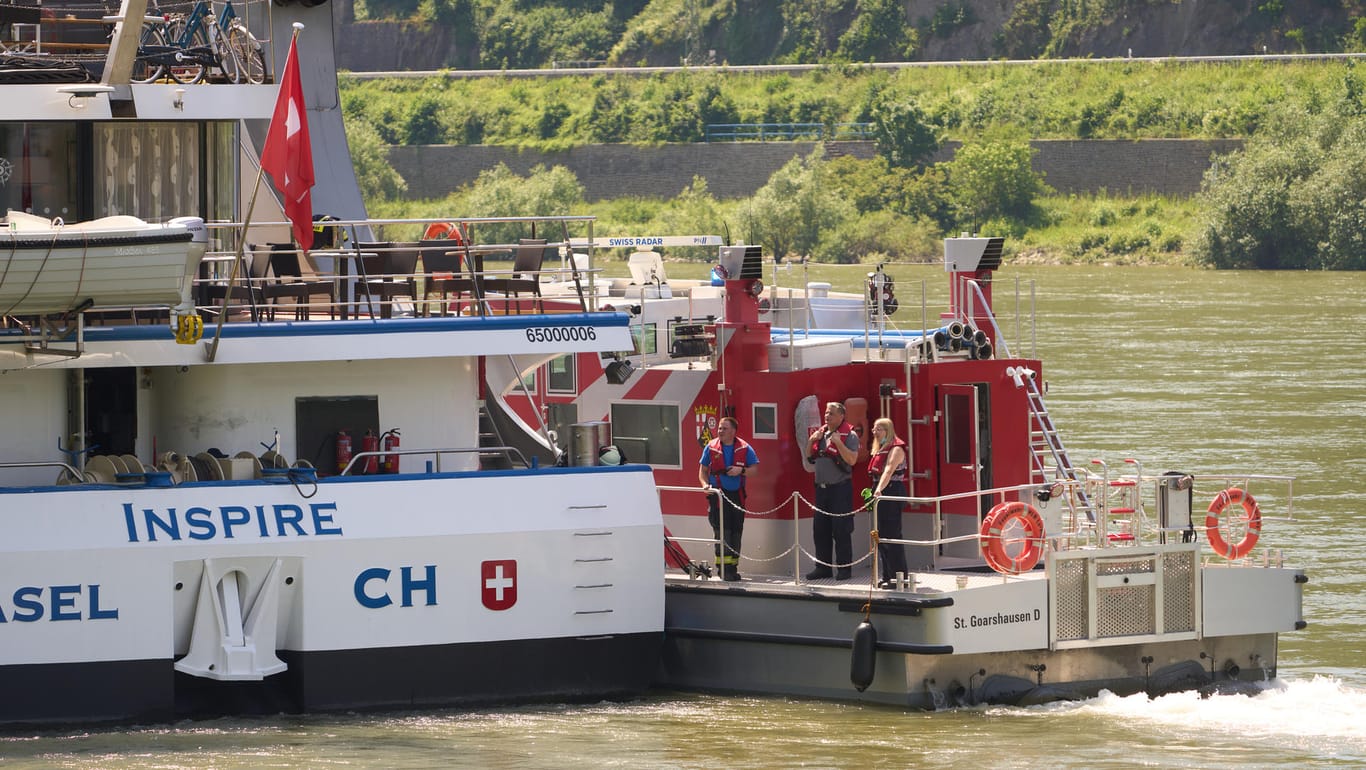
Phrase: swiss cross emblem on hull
[498,584]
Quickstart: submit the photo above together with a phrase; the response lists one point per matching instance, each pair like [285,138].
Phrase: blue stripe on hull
[389,678]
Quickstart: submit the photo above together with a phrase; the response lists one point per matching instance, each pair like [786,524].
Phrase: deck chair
[392,273]
[247,294]
[526,274]
[441,273]
[290,283]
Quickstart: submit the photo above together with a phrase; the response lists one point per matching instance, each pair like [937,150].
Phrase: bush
[905,136]
[694,212]
[498,192]
[1295,198]
[881,235]
[994,178]
[424,124]
[879,33]
[791,213]
[377,180]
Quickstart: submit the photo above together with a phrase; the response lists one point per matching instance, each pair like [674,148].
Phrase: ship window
[560,374]
[154,169]
[765,422]
[647,432]
[958,429]
[38,169]
[645,337]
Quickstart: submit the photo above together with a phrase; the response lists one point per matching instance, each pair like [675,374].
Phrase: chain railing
[1071,529]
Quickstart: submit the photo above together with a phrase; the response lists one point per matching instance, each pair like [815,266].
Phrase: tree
[904,134]
[378,181]
[792,213]
[1294,198]
[878,33]
[498,192]
[1025,34]
[994,178]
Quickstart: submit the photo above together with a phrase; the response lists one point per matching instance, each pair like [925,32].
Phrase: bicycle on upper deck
[189,47]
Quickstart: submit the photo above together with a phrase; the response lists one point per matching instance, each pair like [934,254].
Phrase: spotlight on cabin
[619,371]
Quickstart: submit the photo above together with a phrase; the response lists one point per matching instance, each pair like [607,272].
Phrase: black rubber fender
[863,657]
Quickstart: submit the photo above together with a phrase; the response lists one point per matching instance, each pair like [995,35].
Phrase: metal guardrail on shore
[765,69]
[768,132]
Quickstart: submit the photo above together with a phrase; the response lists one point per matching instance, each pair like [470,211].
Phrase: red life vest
[878,460]
[718,457]
[812,450]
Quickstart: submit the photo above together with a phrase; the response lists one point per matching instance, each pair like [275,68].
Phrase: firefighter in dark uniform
[833,448]
[726,460]
[887,475]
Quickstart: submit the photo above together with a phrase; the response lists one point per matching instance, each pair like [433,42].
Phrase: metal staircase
[1045,445]
[490,437]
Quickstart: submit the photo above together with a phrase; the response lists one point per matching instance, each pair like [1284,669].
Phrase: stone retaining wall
[732,170]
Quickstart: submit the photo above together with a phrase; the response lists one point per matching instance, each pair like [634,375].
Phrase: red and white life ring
[1251,512]
[997,520]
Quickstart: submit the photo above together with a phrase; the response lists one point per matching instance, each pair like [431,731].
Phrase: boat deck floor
[919,584]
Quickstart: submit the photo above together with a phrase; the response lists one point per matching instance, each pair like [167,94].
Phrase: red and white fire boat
[1029,577]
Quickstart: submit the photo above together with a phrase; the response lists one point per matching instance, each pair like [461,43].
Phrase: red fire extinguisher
[389,462]
[343,449]
[369,443]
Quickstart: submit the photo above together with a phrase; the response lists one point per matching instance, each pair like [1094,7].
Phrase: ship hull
[972,637]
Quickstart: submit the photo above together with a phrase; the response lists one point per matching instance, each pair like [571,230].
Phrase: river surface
[1181,369]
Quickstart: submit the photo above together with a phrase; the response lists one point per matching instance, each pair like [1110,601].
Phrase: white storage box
[810,353]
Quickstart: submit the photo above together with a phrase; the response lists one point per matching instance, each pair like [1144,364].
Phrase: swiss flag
[288,155]
[498,583]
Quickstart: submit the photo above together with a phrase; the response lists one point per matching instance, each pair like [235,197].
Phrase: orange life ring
[1253,514]
[444,230]
[994,546]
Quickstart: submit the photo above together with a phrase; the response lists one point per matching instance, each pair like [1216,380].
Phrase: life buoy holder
[994,546]
[1222,502]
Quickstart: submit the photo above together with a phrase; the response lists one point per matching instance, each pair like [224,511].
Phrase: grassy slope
[1100,100]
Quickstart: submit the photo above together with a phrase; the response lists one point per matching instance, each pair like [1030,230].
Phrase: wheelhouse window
[764,423]
[560,374]
[647,433]
[645,337]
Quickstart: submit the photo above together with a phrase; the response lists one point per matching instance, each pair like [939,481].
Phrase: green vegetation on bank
[1075,100]
[1291,199]
[813,207]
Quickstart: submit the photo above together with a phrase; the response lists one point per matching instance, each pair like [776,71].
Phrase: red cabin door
[960,473]
[960,462]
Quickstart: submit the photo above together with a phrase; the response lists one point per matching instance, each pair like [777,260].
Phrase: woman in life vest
[726,460]
[833,450]
[887,476]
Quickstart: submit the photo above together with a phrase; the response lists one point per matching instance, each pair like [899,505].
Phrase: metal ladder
[1046,444]
[490,439]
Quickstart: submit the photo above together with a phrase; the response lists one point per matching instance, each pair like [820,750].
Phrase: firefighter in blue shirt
[726,460]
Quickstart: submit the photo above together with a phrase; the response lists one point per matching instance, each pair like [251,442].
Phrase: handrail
[76,475]
[509,450]
[990,312]
[227,238]
[1070,529]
